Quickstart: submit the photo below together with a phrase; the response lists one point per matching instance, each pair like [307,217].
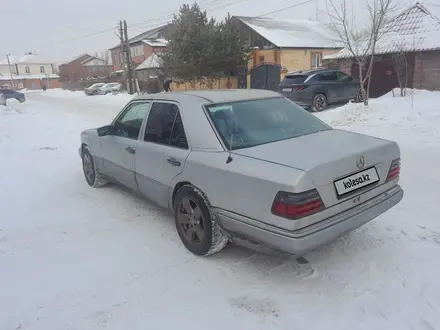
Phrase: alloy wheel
[89,170]
[190,219]
[320,102]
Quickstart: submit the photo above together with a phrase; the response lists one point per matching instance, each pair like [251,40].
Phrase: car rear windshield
[249,123]
[293,80]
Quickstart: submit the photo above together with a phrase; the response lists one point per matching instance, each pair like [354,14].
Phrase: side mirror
[106,130]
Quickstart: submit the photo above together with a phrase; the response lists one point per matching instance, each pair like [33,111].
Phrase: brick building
[411,35]
[84,66]
[142,46]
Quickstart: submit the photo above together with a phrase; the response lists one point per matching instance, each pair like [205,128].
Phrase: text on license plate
[287,89]
[356,181]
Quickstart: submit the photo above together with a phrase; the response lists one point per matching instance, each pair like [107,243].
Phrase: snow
[415,29]
[292,33]
[156,42]
[152,61]
[30,76]
[73,257]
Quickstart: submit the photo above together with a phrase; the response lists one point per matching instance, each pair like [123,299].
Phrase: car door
[162,152]
[349,86]
[119,148]
[329,82]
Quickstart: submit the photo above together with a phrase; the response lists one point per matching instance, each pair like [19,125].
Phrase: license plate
[287,89]
[356,181]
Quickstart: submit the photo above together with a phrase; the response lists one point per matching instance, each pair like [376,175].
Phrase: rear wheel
[319,102]
[196,224]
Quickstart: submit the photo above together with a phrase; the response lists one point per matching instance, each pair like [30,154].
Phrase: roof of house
[26,59]
[152,61]
[415,29]
[156,42]
[86,56]
[94,61]
[150,34]
[287,33]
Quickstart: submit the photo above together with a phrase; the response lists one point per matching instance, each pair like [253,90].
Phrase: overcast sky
[58,30]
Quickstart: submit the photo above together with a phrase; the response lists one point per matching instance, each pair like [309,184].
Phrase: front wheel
[93,178]
[196,224]
[319,102]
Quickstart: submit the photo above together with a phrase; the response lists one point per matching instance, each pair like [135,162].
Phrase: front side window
[164,125]
[249,123]
[130,121]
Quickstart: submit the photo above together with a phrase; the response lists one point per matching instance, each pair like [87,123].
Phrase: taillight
[394,171]
[297,205]
[300,88]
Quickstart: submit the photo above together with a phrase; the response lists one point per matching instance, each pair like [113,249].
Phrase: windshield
[262,121]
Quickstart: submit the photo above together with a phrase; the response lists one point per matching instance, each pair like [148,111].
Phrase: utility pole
[129,62]
[9,66]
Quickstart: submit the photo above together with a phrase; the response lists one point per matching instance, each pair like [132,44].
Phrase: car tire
[93,177]
[196,223]
[319,102]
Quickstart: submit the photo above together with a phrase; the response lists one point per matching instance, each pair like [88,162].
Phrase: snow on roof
[150,34]
[12,60]
[32,59]
[30,76]
[292,33]
[415,29]
[93,61]
[156,42]
[153,61]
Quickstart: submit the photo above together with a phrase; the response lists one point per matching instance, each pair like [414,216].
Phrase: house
[142,46]
[29,71]
[293,44]
[84,66]
[29,64]
[414,35]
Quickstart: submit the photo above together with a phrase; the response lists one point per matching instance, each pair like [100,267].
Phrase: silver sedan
[244,164]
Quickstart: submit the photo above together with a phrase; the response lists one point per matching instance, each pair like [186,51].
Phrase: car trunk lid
[329,156]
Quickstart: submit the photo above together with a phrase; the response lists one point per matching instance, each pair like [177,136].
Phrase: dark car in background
[11,94]
[316,89]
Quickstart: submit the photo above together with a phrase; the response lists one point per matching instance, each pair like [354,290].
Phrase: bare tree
[360,43]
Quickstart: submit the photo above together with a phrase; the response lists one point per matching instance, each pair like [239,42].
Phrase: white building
[29,64]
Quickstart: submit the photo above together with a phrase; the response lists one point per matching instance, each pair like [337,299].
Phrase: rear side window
[328,76]
[293,79]
[164,126]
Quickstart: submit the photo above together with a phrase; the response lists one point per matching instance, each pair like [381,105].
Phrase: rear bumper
[303,101]
[305,239]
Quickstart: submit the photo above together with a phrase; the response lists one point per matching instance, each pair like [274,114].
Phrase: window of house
[130,121]
[261,59]
[164,126]
[316,60]
[27,69]
[41,69]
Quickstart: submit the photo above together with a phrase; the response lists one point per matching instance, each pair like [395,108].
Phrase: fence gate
[242,78]
[266,76]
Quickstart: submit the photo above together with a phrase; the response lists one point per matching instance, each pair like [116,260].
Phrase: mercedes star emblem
[360,162]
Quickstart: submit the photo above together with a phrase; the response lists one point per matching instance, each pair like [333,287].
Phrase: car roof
[309,72]
[215,96]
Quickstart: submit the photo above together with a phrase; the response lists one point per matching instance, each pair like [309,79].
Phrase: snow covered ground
[72,257]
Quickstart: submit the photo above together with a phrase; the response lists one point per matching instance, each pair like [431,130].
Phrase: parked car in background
[316,89]
[93,90]
[109,88]
[2,99]
[11,94]
[244,163]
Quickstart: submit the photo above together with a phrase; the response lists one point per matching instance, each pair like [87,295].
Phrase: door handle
[173,161]
[130,150]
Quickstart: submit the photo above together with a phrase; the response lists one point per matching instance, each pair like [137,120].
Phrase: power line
[287,7]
